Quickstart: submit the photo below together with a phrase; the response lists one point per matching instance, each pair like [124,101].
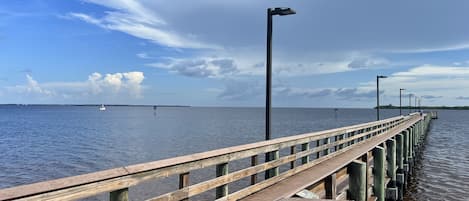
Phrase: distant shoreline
[425,107]
[333,108]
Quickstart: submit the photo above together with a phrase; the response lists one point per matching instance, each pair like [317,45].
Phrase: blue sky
[212,53]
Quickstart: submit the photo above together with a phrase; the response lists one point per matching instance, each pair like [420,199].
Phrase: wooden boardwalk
[370,161]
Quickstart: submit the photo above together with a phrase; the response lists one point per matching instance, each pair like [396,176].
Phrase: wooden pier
[370,161]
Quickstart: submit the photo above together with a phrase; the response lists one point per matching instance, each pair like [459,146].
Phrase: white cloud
[438,84]
[135,19]
[33,87]
[430,70]
[124,85]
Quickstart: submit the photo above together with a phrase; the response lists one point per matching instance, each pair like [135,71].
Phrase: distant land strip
[425,107]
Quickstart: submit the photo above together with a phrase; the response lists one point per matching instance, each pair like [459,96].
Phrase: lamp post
[377,94]
[415,103]
[420,105]
[410,101]
[271,12]
[400,101]
[268,95]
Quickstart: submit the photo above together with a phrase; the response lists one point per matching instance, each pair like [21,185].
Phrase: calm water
[442,173]
[46,142]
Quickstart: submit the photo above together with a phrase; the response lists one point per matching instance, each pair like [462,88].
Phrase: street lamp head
[401,89]
[381,76]
[282,11]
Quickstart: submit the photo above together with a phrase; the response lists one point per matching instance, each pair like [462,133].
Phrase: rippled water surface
[46,142]
[442,173]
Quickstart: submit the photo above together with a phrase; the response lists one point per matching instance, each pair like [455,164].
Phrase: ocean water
[40,143]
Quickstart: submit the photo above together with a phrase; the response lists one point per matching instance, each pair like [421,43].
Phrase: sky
[212,52]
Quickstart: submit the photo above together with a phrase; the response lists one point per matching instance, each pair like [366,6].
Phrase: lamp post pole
[410,101]
[400,101]
[268,86]
[377,94]
[268,95]
[415,100]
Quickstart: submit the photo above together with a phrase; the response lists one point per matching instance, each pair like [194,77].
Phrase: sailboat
[102,108]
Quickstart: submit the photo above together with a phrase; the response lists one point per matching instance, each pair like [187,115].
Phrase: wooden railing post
[318,143]
[326,141]
[341,137]
[184,182]
[222,191]
[254,161]
[119,195]
[305,147]
[292,152]
[273,155]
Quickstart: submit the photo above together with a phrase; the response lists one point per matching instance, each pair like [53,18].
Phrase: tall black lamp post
[400,101]
[268,107]
[377,94]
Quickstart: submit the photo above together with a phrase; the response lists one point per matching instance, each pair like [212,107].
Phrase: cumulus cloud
[127,84]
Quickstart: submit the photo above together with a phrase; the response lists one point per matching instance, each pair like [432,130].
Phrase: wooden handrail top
[67,182]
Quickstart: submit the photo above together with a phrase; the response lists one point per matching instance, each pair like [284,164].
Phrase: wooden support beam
[400,151]
[391,159]
[331,186]
[379,176]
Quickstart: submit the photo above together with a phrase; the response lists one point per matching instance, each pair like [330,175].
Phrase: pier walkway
[370,161]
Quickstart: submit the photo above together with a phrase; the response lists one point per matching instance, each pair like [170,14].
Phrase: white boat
[102,108]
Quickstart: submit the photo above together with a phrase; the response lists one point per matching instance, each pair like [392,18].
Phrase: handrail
[87,185]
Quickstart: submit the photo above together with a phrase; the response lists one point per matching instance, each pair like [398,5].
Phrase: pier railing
[305,152]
